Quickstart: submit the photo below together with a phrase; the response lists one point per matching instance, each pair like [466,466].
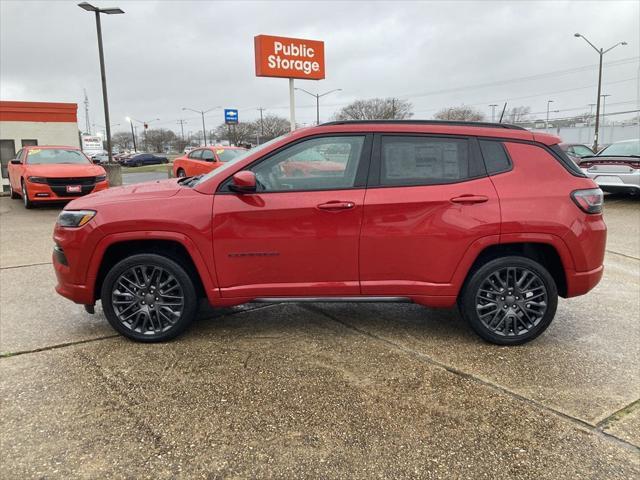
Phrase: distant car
[51,173]
[616,168]
[203,160]
[188,149]
[144,159]
[311,163]
[576,150]
[100,158]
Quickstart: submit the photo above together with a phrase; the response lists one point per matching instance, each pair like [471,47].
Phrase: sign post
[290,58]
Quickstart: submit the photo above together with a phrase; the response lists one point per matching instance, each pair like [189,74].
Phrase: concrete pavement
[320,390]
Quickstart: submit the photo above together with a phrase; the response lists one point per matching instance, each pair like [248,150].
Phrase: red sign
[289,57]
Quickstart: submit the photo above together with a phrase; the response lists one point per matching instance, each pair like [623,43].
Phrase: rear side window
[422,160]
[495,156]
[197,154]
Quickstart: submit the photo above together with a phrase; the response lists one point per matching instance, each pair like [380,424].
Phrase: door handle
[336,205]
[469,199]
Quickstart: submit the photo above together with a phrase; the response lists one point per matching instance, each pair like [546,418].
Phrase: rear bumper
[616,181]
[579,283]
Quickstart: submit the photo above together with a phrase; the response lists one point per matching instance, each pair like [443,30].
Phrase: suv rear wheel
[149,298]
[509,300]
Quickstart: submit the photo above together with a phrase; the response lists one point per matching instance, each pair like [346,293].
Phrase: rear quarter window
[495,156]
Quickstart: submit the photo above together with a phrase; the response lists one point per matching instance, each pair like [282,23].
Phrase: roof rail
[428,122]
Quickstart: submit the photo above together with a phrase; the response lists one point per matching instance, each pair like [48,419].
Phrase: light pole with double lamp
[317,97]
[202,112]
[601,53]
[109,11]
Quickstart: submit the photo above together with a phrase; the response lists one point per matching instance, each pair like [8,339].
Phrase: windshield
[622,149]
[226,154]
[241,154]
[48,156]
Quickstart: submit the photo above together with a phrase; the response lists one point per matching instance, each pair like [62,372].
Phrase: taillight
[589,201]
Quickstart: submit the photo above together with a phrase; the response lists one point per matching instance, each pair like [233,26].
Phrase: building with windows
[35,123]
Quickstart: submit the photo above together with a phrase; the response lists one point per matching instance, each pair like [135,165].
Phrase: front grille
[64,181]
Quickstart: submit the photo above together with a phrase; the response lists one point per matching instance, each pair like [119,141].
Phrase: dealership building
[35,123]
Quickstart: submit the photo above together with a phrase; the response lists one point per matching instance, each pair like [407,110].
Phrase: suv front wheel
[149,298]
[509,300]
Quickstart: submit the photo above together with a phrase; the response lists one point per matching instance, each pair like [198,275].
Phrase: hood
[58,170]
[159,189]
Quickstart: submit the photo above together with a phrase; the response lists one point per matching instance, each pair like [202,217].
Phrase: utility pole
[260,109]
[493,112]
[546,125]
[181,122]
[604,103]
[601,53]
[87,125]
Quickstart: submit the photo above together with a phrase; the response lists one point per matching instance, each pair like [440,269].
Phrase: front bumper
[42,192]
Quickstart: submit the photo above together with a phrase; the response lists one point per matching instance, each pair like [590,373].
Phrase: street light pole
[493,112]
[317,97]
[546,125]
[109,11]
[202,112]
[601,53]
[133,135]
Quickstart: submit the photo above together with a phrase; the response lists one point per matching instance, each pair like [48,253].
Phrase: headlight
[101,178]
[37,180]
[75,218]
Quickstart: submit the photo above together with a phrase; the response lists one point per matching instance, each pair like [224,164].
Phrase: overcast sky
[165,55]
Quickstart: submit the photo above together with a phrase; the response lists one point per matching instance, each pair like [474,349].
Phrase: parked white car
[616,168]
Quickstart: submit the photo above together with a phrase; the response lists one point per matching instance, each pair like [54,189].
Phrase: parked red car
[491,217]
[53,174]
[203,160]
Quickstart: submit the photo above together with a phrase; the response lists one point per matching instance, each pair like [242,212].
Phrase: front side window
[324,163]
[422,160]
[37,156]
[208,156]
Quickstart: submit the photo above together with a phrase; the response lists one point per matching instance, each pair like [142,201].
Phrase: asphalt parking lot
[316,390]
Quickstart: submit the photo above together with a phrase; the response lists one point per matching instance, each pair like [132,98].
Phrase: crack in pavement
[618,415]
[105,337]
[622,255]
[421,357]
[26,265]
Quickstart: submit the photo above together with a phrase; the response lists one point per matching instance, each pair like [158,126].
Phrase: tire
[28,204]
[518,315]
[14,194]
[149,322]
[181,173]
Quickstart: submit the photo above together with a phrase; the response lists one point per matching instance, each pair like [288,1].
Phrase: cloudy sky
[165,55]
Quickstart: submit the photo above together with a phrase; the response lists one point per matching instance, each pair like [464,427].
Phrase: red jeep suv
[491,217]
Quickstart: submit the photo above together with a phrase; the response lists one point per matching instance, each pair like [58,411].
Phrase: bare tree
[236,134]
[376,109]
[122,140]
[462,113]
[517,114]
[272,126]
[157,139]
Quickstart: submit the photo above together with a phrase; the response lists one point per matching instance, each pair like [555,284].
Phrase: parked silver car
[616,168]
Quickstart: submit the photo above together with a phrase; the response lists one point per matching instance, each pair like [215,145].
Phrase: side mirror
[16,161]
[243,182]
